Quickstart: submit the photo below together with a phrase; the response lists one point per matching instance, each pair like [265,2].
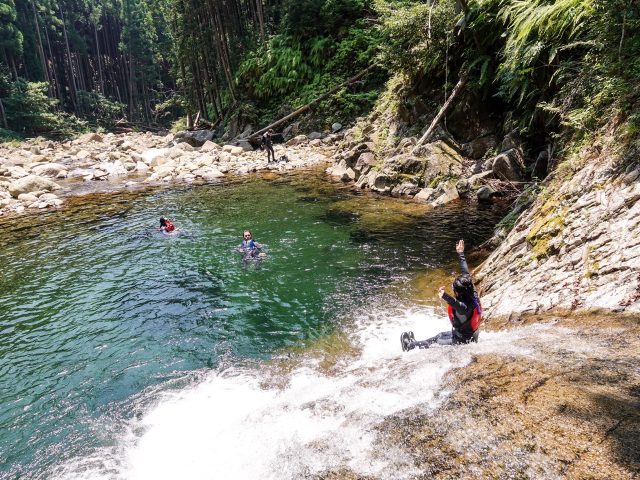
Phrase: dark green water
[97,306]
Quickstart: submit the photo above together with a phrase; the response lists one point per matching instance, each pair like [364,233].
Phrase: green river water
[98,308]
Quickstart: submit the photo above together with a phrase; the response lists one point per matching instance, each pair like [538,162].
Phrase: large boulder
[48,169]
[209,146]
[148,156]
[246,146]
[315,136]
[478,147]
[195,138]
[442,160]
[426,195]
[232,149]
[449,194]
[364,163]
[31,183]
[509,165]
[88,137]
[383,182]
[297,140]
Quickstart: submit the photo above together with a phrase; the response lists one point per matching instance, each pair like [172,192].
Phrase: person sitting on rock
[166,226]
[465,312]
[267,143]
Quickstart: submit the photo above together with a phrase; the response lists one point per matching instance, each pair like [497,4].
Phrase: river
[129,354]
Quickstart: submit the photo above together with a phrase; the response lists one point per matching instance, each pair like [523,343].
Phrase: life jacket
[250,244]
[168,226]
[476,316]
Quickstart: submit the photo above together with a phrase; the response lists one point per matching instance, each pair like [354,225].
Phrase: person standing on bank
[464,310]
[267,142]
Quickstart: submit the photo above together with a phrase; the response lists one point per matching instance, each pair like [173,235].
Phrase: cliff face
[577,247]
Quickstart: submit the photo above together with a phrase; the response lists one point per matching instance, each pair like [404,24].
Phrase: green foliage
[416,36]
[10,36]
[30,111]
[101,110]
[275,69]
[306,19]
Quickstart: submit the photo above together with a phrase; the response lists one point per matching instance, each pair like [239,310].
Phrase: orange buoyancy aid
[169,227]
[476,316]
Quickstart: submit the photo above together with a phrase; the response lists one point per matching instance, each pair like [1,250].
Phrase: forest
[548,67]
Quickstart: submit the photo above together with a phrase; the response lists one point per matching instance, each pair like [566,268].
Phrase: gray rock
[510,140]
[27,198]
[297,140]
[485,193]
[209,146]
[195,138]
[31,183]
[426,195]
[541,166]
[383,182]
[509,165]
[406,188]
[336,127]
[315,136]
[478,147]
[450,194]
[246,146]
[48,169]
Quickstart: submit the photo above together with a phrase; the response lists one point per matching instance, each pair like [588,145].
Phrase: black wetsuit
[461,331]
[267,141]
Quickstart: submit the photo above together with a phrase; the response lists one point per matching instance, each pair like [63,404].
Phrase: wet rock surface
[569,407]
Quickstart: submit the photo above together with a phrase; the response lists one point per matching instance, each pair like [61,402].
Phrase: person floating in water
[267,142]
[166,226]
[465,312]
[249,247]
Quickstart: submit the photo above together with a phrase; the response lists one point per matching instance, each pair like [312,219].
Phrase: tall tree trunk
[95,34]
[43,60]
[457,89]
[3,116]
[54,70]
[130,84]
[224,50]
[72,79]
[260,12]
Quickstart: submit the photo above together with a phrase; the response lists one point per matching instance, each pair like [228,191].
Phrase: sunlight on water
[234,425]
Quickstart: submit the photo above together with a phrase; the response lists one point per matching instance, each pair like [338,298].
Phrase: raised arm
[464,268]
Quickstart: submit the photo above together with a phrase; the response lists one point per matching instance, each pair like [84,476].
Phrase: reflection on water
[101,315]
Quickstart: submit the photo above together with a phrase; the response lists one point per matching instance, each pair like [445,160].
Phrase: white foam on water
[235,425]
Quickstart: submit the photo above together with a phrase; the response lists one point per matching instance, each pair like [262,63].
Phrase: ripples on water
[129,354]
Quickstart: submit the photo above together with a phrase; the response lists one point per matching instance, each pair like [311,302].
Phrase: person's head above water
[163,222]
[246,235]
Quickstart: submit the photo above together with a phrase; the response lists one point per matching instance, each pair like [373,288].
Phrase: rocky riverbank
[40,174]
[578,246]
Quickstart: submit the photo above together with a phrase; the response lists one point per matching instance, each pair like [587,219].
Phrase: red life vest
[169,227]
[475,320]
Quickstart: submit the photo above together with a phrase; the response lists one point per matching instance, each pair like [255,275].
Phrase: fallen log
[457,89]
[311,103]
